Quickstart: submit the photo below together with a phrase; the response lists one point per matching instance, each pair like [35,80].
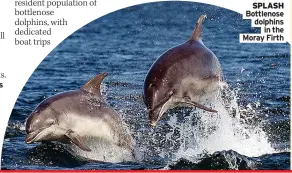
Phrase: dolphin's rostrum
[77,117]
[187,74]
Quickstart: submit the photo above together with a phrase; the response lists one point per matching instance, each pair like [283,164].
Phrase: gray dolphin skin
[78,116]
[185,75]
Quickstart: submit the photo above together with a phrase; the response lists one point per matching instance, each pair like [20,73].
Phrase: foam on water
[231,131]
[202,132]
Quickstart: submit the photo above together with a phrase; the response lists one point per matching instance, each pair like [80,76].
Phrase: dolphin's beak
[33,135]
[152,124]
[29,138]
[154,116]
[156,112]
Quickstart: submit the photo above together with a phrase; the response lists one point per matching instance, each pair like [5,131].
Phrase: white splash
[226,130]
[191,134]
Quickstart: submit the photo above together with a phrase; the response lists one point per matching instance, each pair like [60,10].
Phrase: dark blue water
[125,44]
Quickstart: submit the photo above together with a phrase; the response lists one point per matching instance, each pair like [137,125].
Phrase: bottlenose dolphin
[187,74]
[82,117]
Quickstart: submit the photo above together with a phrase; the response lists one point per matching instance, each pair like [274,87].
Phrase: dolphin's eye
[152,85]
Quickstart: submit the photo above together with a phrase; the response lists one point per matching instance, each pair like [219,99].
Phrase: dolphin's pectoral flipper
[188,101]
[76,139]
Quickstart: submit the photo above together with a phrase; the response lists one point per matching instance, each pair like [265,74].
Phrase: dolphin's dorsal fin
[93,85]
[197,33]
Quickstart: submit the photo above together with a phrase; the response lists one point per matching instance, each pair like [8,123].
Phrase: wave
[218,160]
[226,160]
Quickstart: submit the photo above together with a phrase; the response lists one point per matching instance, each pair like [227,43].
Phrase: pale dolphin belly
[103,140]
[102,150]
[92,127]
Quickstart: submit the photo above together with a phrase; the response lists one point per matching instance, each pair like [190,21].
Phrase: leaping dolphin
[82,118]
[187,74]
